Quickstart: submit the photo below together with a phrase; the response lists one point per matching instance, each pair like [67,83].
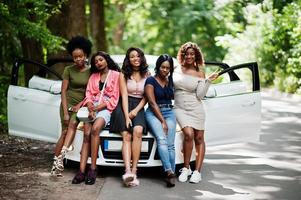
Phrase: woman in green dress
[75,79]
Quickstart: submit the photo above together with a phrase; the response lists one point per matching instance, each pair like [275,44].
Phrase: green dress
[76,88]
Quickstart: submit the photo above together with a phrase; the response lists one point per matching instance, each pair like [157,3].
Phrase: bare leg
[68,140]
[126,150]
[136,147]
[85,147]
[70,133]
[98,125]
[60,142]
[188,145]
[200,149]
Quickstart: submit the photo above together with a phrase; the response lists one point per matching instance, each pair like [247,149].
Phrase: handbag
[83,113]
[202,88]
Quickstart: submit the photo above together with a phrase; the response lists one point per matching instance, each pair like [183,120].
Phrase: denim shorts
[105,114]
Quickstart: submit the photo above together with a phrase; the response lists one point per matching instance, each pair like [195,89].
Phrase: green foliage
[271,35]
[160,26]
[4,81]
[281,50]
[25,19]
[22,19]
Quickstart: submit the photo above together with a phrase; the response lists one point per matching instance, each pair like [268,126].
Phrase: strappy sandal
[60,163]
[54,170]
[128,177]
[61,157]
[134,183]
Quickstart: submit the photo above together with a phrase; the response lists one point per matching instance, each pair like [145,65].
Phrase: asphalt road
[266,169]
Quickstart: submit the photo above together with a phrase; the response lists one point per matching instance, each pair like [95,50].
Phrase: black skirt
[117,122]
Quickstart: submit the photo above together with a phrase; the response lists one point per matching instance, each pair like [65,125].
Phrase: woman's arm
[64,89]
[213,76]
[140,106]
[124,96]
[77,106]
[89,96]
[150,95]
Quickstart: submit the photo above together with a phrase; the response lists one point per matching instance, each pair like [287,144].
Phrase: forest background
[232,31]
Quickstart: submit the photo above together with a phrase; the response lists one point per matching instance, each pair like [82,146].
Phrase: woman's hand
[75,108]
[132,114]
[92,115]
[165,127]
[213,76]
[66,119]
[128,123]
[90,107]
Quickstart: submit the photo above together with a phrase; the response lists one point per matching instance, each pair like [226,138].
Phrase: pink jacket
[111,91]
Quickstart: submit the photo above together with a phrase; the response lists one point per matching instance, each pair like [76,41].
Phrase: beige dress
[188,108]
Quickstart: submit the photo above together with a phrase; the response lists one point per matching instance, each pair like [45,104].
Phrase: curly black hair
[127,68]
[79,42]
[111,64]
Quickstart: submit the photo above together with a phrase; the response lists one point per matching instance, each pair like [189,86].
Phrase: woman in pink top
[130,118]
[102,96]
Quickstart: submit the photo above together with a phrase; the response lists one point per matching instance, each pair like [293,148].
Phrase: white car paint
[33,113]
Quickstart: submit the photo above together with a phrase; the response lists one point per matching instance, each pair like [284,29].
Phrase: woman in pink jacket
[102,96]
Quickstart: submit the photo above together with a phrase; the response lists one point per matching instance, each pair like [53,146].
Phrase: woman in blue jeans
[160,116]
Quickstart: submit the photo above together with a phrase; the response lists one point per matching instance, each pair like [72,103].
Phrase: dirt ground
[24,173]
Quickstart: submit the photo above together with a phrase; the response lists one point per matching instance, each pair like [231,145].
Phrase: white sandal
[134,183]
[61,157]
[128,177]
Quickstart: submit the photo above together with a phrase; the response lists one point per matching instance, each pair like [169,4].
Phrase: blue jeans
[165,142]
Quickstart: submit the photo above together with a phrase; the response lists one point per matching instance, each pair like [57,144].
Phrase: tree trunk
[32,50]
[70,22]
[119,30]
[97,25]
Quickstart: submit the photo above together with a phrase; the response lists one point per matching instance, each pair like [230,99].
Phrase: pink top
[111,90]
[136,89]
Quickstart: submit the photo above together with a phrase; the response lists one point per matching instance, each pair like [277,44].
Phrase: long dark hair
[111,64]
[127,68]
[160,60]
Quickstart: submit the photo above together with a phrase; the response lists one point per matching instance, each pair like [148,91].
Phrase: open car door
[33,111]
[233,105]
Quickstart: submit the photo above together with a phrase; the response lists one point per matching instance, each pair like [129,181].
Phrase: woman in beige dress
[189,81]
